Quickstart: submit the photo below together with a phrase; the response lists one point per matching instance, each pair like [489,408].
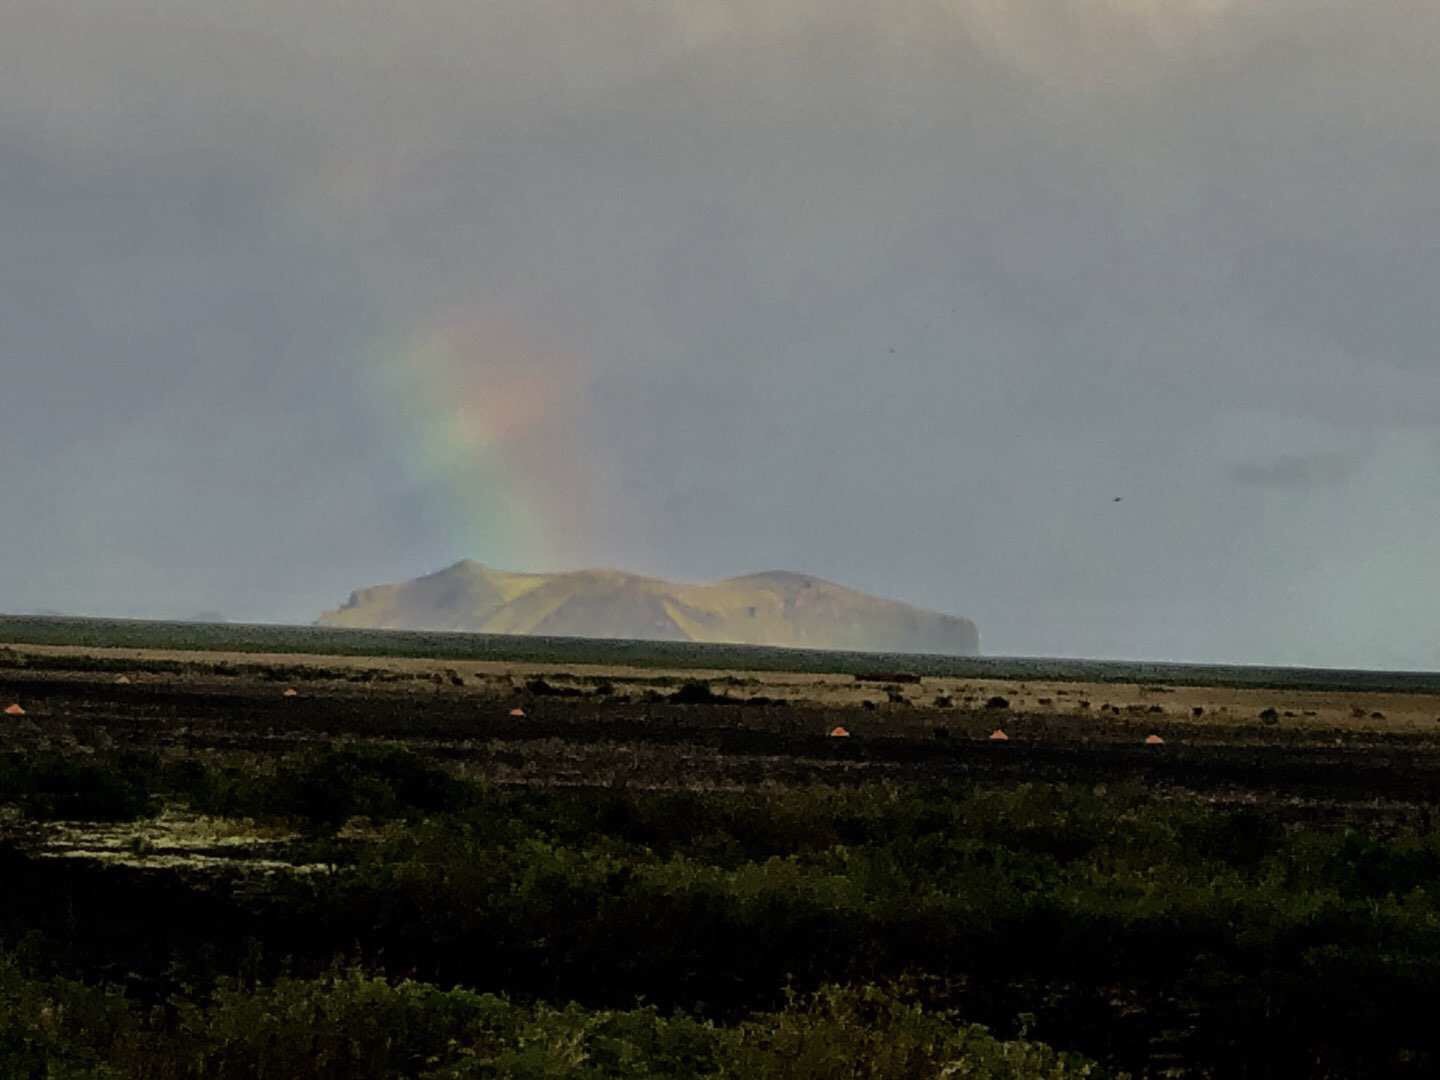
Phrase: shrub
[695,692]
[328,787]
[541,688]
[54,786]
[348,1026]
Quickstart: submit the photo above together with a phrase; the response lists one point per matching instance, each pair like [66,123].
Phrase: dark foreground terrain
[246,866]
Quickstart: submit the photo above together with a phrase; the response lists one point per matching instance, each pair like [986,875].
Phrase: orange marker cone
[1154,740]
[123,680]
[839,733]
[291,692]
[517,712]
[14,710]
[999,736]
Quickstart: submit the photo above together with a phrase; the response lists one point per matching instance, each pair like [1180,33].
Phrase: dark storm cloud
[903,297]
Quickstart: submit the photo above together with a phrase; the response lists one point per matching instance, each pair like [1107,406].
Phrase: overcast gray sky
[296,298]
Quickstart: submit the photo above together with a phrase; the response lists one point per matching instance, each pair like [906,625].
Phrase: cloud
[901,296]
[1295,471]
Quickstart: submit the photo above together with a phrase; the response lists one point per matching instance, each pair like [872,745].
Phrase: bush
[328,787]
[1227,932]
[349,1025]
[541,688]
[52,786]
[697,693]
[870,1033]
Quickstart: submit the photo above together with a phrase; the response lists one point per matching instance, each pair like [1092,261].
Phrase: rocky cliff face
[776,608]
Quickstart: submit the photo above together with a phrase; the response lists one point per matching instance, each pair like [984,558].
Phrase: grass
[401,881]
[327,641]
[347,1025]
[1031,908]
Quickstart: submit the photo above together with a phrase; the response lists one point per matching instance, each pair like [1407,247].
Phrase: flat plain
[1200,874]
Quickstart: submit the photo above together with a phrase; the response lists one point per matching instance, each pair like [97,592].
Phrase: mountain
[775,608]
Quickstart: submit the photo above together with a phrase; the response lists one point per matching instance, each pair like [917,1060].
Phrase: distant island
[779,608]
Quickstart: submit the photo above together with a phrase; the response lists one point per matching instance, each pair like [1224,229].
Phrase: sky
[296,299]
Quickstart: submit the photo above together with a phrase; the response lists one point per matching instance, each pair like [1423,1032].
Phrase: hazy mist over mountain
[299,297]
[773,608]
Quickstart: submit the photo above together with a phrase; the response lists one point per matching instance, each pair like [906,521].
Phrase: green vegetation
[330,641]
[351,1025]
[1114,923]
[56,786]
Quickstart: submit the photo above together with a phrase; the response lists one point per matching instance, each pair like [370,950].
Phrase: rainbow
[491,415]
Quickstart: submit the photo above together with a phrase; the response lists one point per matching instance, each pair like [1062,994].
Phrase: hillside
[775,608]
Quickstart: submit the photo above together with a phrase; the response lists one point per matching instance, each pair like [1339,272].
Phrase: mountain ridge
[772,607]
